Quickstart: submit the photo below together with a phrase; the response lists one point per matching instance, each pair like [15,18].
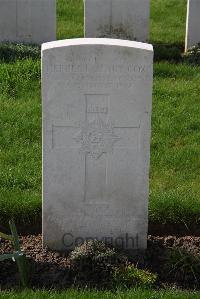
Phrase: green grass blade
[6,237]
[4,257]
[8,256]
[21,260]
[15,235]
[23,267]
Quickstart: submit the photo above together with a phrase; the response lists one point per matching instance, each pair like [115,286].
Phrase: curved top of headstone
[96,41]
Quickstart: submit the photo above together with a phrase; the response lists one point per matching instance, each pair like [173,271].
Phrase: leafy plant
[94,261]
[10,52]
[130,276]
[17,255]
[193,55]
[183,265]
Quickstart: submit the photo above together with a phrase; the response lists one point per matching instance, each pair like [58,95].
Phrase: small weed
[10,52]
[17,255]
[93,261]
[130,276]
[183,265]
[193,55]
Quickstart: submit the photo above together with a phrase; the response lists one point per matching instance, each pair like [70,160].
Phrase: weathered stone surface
[28,21]
[96,138]
[192,24]
[124,19]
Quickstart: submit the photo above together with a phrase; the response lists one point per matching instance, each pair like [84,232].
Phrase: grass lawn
[73,294]
[175,163]
[174,183]
[168,22]
[70,19]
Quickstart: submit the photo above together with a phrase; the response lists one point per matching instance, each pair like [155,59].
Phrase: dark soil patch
[156,229]
[52,269]
[172,229]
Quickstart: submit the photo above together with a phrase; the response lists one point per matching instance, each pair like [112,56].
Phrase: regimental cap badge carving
[96,137]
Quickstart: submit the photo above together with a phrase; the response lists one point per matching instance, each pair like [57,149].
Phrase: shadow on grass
[31,224]
[174,53]
[10,52]
[169,52]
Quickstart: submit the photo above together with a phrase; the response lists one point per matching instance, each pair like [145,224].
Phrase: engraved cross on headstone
[96,138]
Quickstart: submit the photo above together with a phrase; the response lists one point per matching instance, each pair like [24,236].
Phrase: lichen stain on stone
[118,32]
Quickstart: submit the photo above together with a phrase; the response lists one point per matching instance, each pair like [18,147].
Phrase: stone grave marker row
[34,21]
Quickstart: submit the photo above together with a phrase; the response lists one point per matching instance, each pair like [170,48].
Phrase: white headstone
[125,19]
[27,21]
[97,96]
[193,24]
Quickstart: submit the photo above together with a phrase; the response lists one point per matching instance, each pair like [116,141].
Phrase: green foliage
[18,255]
[6,237]
[7,256]
[10,52]
[93,261]
[130,276]
[175,163]
[183,265]
[20,139]
[168,22]
[193,55]
[92,249]
[94,294]
[70,18]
